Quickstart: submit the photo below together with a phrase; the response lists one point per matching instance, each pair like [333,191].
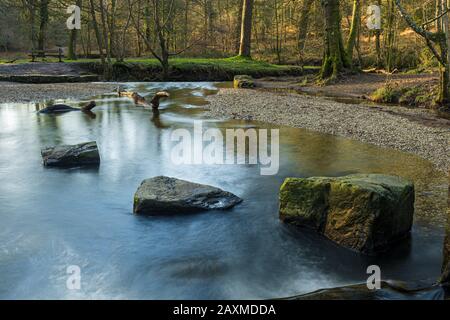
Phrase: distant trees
[325,32]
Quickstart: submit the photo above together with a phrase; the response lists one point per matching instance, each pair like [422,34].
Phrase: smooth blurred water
[53,218]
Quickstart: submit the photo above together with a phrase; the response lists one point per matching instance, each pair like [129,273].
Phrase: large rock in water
[165,195]
[364,212]
[71,155]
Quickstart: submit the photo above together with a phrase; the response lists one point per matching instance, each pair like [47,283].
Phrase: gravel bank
[17,92]
[414,131]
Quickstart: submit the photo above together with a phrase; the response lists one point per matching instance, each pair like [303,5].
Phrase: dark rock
[165,195]
[363,212]
[71,155]
[63,108]
[390,290]
[58,108]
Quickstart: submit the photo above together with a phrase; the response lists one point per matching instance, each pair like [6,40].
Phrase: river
[54,218]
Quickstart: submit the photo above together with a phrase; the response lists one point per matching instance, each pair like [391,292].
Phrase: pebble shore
[12,92]
[415,131]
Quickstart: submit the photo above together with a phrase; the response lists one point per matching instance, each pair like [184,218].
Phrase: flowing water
[54,218]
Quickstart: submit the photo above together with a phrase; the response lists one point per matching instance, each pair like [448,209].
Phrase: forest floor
[418,131]
[357,86]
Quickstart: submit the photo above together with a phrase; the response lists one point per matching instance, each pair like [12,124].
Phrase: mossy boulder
[363,212]
[82,154]
[165,195]
[243,81]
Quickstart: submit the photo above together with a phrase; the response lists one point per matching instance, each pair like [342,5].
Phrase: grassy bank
[190,69]
[187,69]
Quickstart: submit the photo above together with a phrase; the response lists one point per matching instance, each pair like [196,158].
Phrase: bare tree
[436,42]
[161,18]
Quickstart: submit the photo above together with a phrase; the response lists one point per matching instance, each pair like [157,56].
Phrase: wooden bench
[46,53]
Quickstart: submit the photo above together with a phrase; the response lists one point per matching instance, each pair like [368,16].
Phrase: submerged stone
[363,212]
[243,81]
[165,195]
[389,290]
[71,155]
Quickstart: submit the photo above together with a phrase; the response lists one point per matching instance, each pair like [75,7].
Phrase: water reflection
[55,218]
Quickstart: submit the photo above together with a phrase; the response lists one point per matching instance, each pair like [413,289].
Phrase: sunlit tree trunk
[378,43]
[239,26]
[246,29]
[354,29]
[390,36]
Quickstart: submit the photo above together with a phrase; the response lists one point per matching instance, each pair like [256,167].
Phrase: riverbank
[11,92]
[181,69]
[416,131]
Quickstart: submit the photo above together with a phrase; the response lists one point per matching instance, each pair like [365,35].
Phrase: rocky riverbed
[415,131]
[12,92]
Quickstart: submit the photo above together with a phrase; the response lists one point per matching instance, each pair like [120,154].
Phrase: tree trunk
[354,29]
[335,60]
[148,30]
[444,45]
[239,26]
[303,25]
[246,29]
[43,15]
[186,23]
[32,13]
[390,37]
[164,60]
[97,32]
[106,38]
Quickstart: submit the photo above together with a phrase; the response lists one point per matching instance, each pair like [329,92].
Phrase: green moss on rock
[364,212]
